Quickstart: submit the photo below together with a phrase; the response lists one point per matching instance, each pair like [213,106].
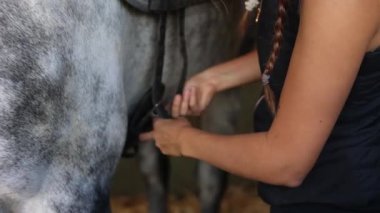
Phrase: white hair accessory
[250,4]
[265,78]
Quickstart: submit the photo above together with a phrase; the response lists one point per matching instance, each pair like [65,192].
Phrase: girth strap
[151,104]
[182,38]
[158,87]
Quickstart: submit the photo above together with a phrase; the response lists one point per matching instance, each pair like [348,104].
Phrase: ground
[238,199]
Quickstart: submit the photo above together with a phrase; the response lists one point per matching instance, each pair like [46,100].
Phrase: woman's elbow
[293,182]
[288,177]
[293,177]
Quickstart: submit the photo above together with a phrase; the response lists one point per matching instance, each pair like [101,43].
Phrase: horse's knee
[153,165]
[212,182]
[155,168]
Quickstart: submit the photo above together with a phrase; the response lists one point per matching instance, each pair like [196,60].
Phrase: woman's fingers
[185,102]
[176,106]
[191,102]
[193,98]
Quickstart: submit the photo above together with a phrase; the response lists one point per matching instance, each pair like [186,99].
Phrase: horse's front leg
[155,168]
[221,117]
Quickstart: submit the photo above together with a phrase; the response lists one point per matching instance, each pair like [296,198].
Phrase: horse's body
[212,38]
[70,71]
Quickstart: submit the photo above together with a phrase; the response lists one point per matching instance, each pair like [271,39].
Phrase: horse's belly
[62,103]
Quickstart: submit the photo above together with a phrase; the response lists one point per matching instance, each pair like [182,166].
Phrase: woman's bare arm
[201,88]
[333,38]
[239,71]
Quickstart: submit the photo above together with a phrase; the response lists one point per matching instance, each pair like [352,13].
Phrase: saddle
[151,103]
[162,5]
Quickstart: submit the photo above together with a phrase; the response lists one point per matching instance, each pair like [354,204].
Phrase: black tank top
[347,172]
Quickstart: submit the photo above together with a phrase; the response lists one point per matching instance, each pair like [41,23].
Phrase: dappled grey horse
[70,71]
[212,37]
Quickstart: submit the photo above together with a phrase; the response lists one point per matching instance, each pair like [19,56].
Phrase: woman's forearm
[239,71]
[247,155]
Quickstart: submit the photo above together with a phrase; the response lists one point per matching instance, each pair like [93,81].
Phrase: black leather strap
[158,86]
[182,37]
[151,104]
[162,5]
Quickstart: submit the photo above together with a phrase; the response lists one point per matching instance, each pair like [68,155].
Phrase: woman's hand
[197,95]
[201,88]
[167,134]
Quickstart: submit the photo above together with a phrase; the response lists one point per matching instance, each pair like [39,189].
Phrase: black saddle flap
[140,120]
[162,5]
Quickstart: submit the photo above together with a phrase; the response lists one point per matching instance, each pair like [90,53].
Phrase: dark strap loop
[158,88]
[182,81]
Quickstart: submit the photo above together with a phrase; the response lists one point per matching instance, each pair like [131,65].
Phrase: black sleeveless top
[347,172]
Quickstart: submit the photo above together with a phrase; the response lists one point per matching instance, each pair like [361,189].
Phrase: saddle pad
[162,5]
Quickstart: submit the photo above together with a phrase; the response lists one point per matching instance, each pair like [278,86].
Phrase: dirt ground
[236,200]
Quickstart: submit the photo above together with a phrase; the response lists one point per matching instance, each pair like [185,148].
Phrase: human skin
[200,89]
[307,110]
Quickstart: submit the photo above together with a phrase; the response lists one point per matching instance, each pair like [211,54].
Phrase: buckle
[159,111]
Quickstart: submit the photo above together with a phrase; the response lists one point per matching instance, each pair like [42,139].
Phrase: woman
[321,152]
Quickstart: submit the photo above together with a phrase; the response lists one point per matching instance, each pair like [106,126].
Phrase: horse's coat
[212,37]
[69,73]
[63,104]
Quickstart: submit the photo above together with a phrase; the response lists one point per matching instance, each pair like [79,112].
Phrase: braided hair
[277,41]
